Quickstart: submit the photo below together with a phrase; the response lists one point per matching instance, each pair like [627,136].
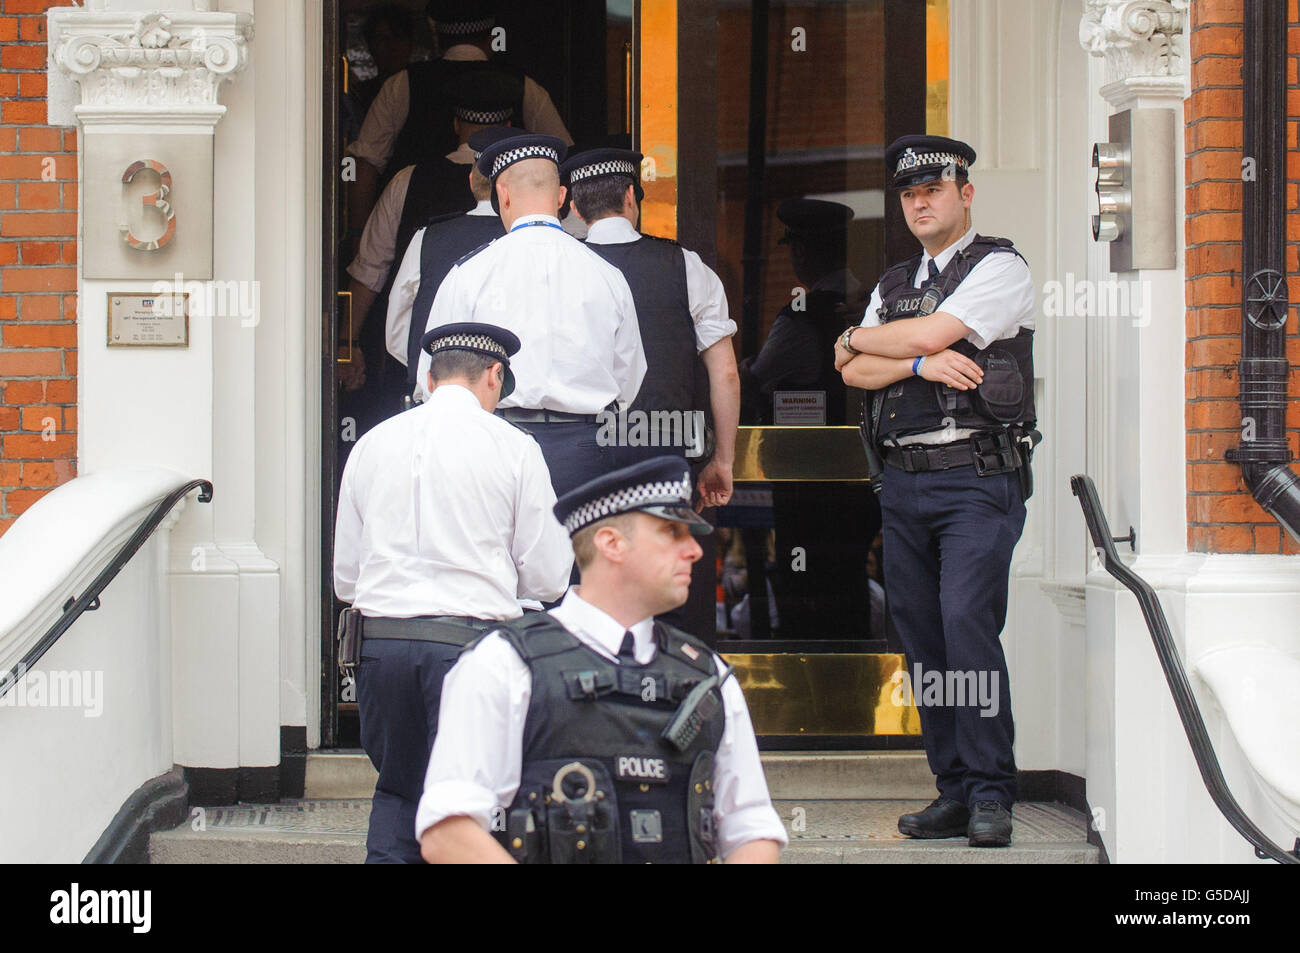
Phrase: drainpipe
[1265,459]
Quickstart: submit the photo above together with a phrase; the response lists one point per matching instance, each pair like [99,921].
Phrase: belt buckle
[912,452]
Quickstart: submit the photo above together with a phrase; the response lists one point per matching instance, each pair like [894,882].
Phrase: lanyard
[537,221]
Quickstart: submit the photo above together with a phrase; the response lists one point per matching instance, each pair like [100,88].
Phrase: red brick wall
[38,271]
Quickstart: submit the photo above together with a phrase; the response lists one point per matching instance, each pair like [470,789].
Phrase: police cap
[504,153]
[486,339]
[660,486]
[592,163]
[483,96]
[806,218]
[460,17]
[911,160]
[480,139]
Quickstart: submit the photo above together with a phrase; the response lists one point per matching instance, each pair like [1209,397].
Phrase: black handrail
[1188,711]
[73,608]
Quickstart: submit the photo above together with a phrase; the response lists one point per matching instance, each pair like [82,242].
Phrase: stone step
[821,832]
[790,774]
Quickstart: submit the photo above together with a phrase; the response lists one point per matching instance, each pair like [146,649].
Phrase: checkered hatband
[669,493]
[465,27]
[484,117]
[911,160]
[617,166]
[511,156]
[475,342]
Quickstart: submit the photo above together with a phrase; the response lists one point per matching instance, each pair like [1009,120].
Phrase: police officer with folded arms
[444,523]
[592,733]
[681,309]
[572,310]
[947,346]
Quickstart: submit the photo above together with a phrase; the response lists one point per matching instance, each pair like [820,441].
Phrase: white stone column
[123,69]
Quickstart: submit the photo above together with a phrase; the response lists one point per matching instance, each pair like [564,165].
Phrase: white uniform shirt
[995,301]
[704,291]
[406,285]
[572,310]
[478,755]
[447,510]
[387,114]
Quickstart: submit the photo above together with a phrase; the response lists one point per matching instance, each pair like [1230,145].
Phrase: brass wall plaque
[148,320]
[778,454]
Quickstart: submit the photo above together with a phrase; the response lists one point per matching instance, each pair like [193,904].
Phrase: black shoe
[943,818]
[990,825]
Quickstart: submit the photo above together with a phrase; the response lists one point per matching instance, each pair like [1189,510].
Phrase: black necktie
[934,271]
[625,654]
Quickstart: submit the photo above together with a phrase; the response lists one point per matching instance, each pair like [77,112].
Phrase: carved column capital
[155,67]
[1142,42]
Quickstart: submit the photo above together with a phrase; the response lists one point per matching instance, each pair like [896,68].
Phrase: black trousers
[399,688]
[948,538]
[572,452]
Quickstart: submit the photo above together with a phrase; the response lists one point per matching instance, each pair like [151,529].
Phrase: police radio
[696,710]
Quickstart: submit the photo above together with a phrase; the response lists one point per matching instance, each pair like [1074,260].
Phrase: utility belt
[990,452]
[443,629]
[525,415]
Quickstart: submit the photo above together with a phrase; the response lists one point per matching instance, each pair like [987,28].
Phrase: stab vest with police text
[655,270]
[916,405]
[446,240]
[598,784]
[428,132]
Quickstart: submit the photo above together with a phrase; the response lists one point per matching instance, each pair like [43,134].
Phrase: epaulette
[468,255]
[686,648]
[666,241]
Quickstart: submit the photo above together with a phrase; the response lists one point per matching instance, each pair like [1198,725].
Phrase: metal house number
[152,200]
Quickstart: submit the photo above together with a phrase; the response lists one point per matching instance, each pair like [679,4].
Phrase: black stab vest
[427,133]
[655,269]
[916,405]
[437,189]
[446,241]
[652,803]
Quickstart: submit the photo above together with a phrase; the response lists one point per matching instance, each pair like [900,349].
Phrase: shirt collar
[463,51]
[601,631]
[614,230]
[483,208]
[453,395]
[941,260]
[525,219]
[463,155]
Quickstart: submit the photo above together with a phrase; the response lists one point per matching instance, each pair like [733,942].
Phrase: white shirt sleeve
[995,300]
[347,534]
[871,318]
[440,313]
[478,754]
[708,303]
[629,355]
[540,547]
[742,806]
[378,245]
[540,114]
[384,120]
[401,299]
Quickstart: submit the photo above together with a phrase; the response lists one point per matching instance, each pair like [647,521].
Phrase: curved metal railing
[1175,675]
[89,600]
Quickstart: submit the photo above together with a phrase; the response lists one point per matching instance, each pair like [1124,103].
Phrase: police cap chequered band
[629,498]
[910,160]
[465,27]
[474,342]
[612,167]
[511,156]
[484,117]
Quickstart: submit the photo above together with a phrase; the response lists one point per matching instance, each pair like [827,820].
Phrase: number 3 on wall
[156,200]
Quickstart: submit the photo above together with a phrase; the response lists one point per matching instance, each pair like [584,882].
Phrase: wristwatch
[845,339]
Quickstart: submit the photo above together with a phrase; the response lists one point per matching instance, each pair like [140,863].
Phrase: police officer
[432,252]
[947,346]
[433,188]
[593,734]
[444,521]
[681,309]
[409,121]
[572,310]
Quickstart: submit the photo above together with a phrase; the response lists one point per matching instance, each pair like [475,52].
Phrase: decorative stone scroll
[1139,39]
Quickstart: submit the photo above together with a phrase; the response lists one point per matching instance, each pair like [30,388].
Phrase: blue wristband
[916,364]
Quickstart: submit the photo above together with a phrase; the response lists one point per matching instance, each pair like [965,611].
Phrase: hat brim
[698,525]
[913,179]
